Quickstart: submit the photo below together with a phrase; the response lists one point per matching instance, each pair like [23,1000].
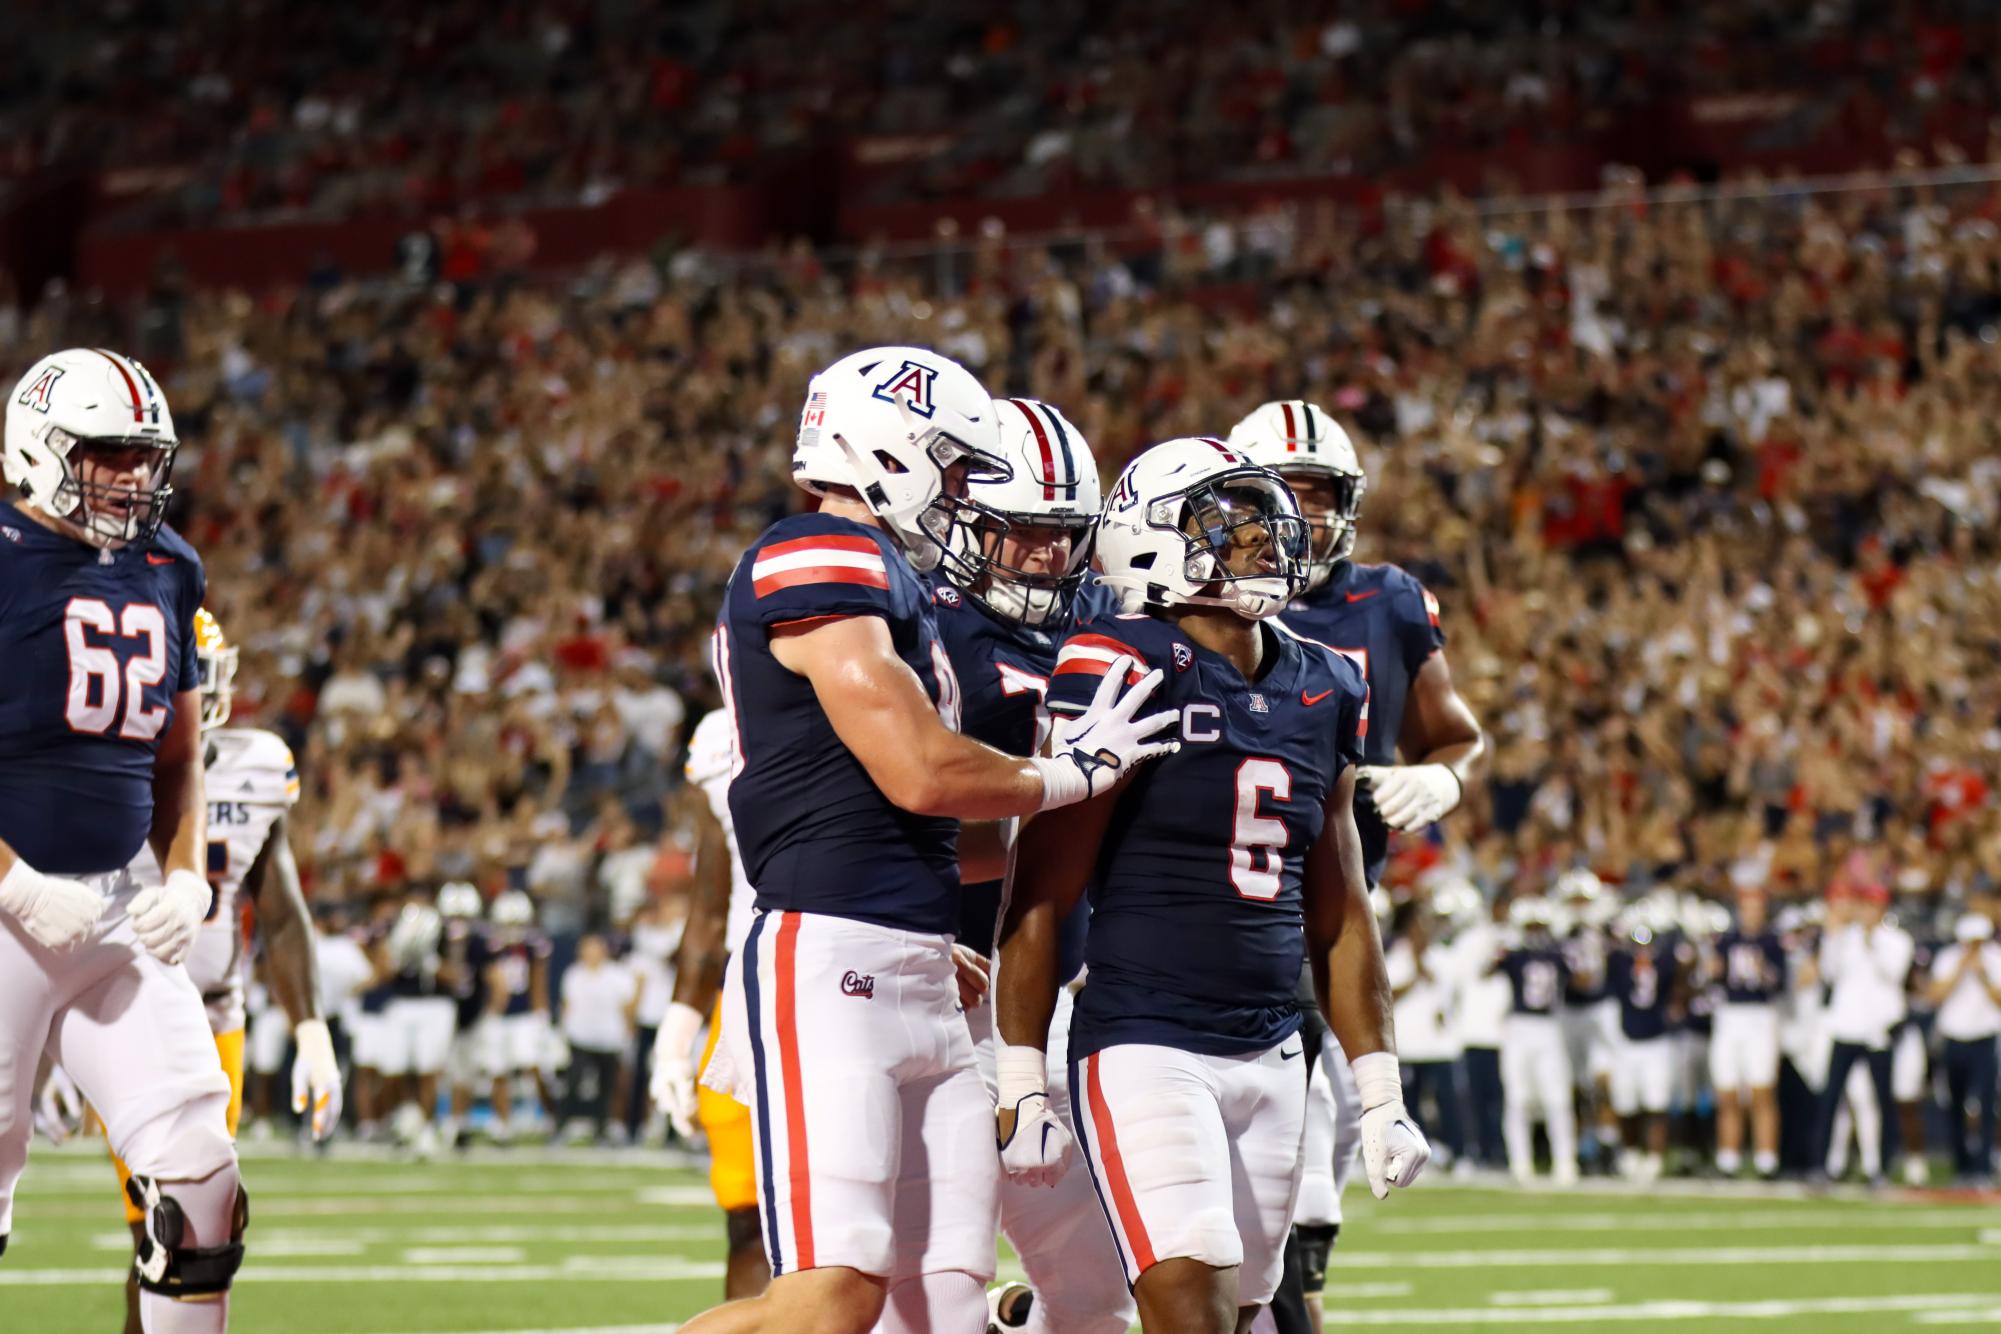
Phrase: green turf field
[531,1240]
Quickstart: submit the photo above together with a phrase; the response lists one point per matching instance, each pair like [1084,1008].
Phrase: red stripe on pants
[799,1166]
[1115,1169]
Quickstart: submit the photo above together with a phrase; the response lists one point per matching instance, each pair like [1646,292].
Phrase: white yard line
[635,1269]
[1933,1304]
[1553,1297]
[1747,1220]
[359,1237]
[1670,1256]
[419,1256]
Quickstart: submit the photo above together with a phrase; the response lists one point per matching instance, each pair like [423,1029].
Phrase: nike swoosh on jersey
[1288,1055]
[1360,597]
[152,559]
[1310,700]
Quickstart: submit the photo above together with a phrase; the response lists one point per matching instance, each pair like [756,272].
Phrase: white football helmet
[460,899]
[1052,483]
[513,909]
[888,423]
[215,670]
[84,399]
[1296,439]
[1173,518]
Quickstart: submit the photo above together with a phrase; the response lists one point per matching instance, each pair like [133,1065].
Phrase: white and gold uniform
[251,780]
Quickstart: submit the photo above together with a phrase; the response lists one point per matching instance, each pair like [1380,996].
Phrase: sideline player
[516,1031]
[1749,962]
[1535,1062]
[100,753]
[251,783]
[1012,586]
[1187,1085]
[842,1029]
[719,915]
[1386,623]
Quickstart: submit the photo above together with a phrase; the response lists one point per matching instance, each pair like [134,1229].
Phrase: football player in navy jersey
[1749,962]
[100,753]
[1535,1064]
[842,1026]
[1386,622]
[1645,979]
[1011,585]
[1215,875]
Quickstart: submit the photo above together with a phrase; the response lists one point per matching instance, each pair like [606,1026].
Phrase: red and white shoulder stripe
[1093,655]
[832,558]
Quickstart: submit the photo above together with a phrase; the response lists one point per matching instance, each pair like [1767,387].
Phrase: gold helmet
[215,661]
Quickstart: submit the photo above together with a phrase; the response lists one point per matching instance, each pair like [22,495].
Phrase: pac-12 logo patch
[1184,656]
[914,383]
[945,595]
[37,394]
[11,533]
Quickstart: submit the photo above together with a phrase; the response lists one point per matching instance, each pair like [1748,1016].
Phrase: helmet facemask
[215,674]
[974,565]
[939,523]
[1234,519]
[1329,517]
[110,515]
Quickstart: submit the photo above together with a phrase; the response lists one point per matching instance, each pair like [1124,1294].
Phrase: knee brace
[167,1266]
[742,1229]
[1316,1244]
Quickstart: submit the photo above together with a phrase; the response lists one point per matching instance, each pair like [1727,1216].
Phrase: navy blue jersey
[1196,937]
[375,999]
[1537,975]
[1642,979]
[1753,966]
[815,832]
[1584,952]
[94,646]
[466,953]
[516,960]
[1381,618]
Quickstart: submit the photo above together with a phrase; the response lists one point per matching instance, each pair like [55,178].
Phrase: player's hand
[1093,751]
[1394,1150]
[1034,1143]
[673,1084]
[58,1106]
[975,975]
[1410,796]
[166,918]
[56,911]
[316,1077]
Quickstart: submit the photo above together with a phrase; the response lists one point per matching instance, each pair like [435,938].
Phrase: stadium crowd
[1707,490]
[381,108]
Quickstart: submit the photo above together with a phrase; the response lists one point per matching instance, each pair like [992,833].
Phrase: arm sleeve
[197,589]
[816,575]
[1081,665]
[1418,629]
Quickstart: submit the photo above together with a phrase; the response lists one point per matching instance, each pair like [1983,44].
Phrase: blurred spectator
[600,996]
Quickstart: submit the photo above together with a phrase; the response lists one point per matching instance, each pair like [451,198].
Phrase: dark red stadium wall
[724,217]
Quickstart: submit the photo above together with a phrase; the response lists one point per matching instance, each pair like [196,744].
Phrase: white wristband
[678,1029]
[1022,1072]
[20,886]
[1378,1078]
[1063,783]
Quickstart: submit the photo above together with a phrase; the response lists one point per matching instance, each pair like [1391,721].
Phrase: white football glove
[167,917]
[56,911]
[1394,1150]
[1037,1153]
[673,1085]
[316,1077]
[1094,750]
[58,1106]
[1410,796]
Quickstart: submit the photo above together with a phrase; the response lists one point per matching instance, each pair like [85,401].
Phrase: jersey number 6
[94,674]
[1256,861]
